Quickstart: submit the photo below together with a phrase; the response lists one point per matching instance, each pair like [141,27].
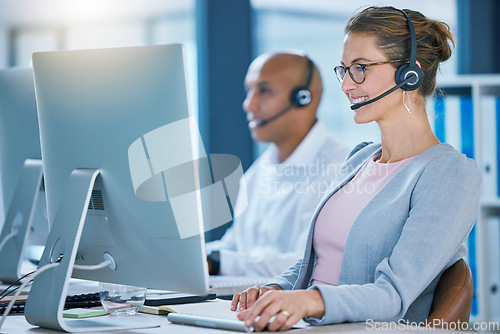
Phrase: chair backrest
[452,300]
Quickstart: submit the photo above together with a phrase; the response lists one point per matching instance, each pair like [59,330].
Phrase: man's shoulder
[262,161]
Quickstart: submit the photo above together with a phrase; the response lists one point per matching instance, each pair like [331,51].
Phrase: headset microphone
[362,104]
[259,123]
[299,98]
[408,76]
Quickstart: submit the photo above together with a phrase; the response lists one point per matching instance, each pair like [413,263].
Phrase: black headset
[301,96]
[411,69]
[408,76]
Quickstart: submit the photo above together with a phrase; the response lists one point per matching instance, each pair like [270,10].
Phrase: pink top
[339,212]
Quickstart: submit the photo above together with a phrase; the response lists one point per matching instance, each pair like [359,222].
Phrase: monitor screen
[120,112]
[94,105]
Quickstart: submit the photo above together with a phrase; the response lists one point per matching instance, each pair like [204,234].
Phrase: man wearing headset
[286,183]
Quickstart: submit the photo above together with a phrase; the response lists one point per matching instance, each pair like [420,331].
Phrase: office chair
[452,300]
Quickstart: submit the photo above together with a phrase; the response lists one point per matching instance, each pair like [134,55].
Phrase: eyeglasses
[358,73]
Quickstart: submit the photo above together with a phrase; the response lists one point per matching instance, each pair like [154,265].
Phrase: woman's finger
[245,298]
[235,301]
[253,295]
[259,307]
[272,310]
[279,321]
[242,315]
[292,320]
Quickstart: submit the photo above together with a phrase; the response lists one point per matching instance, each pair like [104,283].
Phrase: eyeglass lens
[356,71]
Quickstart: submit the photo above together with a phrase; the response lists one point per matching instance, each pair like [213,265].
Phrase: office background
[223,36]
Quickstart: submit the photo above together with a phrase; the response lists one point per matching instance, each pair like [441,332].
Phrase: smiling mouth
[359,100]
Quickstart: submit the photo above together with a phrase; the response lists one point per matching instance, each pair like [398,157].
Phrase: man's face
[268,85]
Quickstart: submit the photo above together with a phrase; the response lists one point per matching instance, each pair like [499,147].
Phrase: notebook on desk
[223,285]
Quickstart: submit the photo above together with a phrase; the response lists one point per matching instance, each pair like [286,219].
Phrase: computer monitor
[116,133]
[25,227]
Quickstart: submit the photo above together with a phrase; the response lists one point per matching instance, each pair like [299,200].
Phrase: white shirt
[270,235]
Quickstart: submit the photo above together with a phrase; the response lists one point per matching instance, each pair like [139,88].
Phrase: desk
[17,324]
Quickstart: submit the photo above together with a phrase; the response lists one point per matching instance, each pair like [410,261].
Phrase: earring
[409,102]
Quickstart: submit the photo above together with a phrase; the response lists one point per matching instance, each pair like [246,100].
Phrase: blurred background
[222,37]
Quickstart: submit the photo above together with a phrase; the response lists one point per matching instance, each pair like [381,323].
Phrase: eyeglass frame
[363,66]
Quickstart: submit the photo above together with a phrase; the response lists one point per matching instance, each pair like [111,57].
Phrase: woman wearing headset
[398,213]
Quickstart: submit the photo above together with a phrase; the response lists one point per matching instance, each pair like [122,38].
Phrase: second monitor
[25,227]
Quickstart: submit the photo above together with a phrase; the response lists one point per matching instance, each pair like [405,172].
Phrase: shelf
[493,203]
[483,90]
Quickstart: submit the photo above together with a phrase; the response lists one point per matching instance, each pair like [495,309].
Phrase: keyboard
[85,300]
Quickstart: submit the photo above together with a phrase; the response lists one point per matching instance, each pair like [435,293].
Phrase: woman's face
[361,48]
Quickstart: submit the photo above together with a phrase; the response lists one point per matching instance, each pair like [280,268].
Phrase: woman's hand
[248,297]
[288,307]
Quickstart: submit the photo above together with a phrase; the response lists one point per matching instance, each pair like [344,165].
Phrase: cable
[6,291]
[9,292]
[7,238]
[101,265]
[17,281]
[14,298]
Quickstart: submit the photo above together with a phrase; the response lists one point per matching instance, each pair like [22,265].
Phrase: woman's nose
[348,84]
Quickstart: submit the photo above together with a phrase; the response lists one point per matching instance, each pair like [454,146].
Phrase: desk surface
[17,324]
[220,308]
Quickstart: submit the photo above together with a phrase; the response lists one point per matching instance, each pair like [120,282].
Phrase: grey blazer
[401,242]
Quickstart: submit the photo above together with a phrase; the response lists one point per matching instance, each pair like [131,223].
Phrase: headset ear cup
[406,71]
[300,97]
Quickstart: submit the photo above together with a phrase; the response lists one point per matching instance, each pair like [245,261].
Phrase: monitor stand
[48,292]
[17,225]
